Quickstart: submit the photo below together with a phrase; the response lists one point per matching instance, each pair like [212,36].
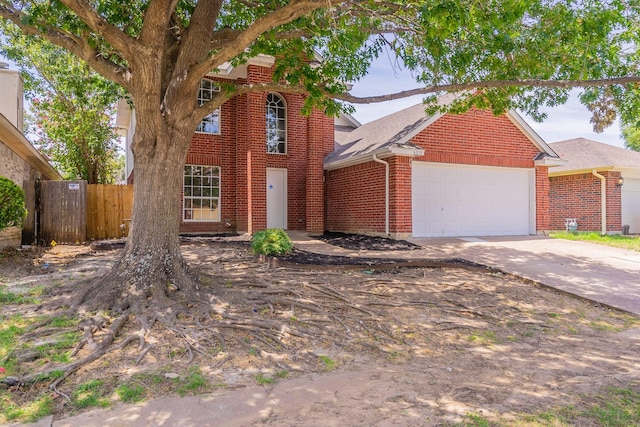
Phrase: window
[201,193]
[276,124]
[211,123]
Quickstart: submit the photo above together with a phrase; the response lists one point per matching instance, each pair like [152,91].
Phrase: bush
[272,241]
[12,210]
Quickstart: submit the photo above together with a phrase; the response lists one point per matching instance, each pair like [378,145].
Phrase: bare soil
[405,345]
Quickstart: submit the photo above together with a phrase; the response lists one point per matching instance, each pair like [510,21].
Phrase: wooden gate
[108,211]
[63,211]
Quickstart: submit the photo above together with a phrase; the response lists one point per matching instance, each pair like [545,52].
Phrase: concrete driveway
[607,275]
[600,273]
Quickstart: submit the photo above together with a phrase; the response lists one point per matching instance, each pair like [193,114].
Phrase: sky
[570,120]
[567,121]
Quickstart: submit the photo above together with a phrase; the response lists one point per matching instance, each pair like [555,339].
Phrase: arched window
[276,124]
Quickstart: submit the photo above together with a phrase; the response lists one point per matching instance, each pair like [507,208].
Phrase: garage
[462,200]
[631,204]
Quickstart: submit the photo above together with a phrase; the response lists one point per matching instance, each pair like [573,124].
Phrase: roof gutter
[380,153]
[386,193]
[603,197]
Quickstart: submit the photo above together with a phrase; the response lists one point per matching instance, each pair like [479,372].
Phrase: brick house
[597,178]
[254,163]
[409,174]
[19,160]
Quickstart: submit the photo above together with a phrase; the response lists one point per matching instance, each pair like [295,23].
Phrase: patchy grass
[91,394]
[329,363]
[29,412]
[192,383]
[614,407]
[615,240]
[131,393]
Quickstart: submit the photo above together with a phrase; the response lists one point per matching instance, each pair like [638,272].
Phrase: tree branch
[70,42]
[156,21]
[294,10]
[112,34]
[455,87]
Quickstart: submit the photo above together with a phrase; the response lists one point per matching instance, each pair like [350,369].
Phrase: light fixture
[620,182]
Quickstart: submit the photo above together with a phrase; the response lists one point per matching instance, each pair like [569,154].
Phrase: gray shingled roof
[393,134]
[584,154]
[394,130]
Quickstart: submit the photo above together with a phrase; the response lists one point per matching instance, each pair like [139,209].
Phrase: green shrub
[272,241]
[12,210]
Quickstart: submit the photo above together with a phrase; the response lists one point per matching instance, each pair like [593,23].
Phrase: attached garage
[631,204]
[463,200]
[410,174]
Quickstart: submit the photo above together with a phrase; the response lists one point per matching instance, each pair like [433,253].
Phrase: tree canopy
[497,54]
[71,107]
[521,53]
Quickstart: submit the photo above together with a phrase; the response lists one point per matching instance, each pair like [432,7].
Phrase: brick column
[400,210]
[320,141]
[542,198]
[614,202]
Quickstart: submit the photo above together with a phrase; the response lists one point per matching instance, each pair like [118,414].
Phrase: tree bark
[151,272]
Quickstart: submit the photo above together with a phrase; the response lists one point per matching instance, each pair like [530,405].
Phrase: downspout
[386,193]
[603,194]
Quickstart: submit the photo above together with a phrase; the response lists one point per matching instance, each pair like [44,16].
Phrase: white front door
[276,198]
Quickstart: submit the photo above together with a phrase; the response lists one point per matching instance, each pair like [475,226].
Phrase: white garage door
[631,204]
[456,200]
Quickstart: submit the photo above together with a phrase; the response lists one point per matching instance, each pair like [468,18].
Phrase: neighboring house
[19,160]
[254,163]
[409,174]
[597,178]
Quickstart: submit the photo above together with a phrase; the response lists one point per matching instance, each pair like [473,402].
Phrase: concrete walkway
[603,274]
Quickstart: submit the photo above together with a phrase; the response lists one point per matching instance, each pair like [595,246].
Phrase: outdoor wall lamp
[620,182]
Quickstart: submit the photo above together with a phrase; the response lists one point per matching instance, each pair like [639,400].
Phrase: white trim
[16,141]
[214,87]
[286,124]
[550,161]
[191,197]
[533,206]
[528,131]
[580,171]
[381,153]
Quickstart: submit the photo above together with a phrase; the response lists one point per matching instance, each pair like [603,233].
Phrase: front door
[276,198]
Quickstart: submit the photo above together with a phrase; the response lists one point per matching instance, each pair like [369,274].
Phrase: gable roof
[15,140]
[392,134]
[584,154]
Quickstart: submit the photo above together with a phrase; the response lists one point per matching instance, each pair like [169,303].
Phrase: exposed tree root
[264,311]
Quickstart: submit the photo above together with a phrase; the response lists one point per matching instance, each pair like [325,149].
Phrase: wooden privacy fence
[108,210]
[63,211]
[74,212]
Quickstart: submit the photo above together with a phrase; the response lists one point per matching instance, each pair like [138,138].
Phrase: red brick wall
[578,196]
[476,137]
[355,195]
[542,198]
[240,151]
[356,199]
[400,195]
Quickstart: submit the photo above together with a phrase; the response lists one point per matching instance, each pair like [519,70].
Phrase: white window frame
[276,136]
[206,92]
[194,192]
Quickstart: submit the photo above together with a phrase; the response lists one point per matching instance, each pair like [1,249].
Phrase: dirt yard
[400,345]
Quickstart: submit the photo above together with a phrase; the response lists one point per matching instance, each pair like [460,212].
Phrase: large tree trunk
[151,269]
